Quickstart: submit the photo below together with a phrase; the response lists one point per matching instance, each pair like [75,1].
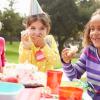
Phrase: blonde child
[89,60]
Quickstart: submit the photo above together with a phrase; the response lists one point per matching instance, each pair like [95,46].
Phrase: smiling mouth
[96,38]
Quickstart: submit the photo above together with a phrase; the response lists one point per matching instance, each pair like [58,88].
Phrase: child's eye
[33,28]
[92,29]
[42,28]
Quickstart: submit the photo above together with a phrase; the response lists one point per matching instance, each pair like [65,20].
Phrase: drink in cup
[53,80]
[70,93]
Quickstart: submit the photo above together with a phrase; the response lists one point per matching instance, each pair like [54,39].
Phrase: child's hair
[44,18]
[86,38]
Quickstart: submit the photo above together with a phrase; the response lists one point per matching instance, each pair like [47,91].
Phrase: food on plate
[33,85]
[10,79]
[26,73]
[46,95]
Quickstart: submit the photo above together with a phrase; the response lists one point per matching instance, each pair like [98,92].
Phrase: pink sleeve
[3,58]
[2,40]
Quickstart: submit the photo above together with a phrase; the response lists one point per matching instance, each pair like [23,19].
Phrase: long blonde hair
[86,38]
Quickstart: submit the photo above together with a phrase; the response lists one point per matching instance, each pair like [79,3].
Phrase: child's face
[38,29]
[95,30]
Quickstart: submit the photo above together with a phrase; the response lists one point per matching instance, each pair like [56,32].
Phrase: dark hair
[44,18]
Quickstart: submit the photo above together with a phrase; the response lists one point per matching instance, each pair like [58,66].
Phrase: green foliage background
[12,52]
[68,20]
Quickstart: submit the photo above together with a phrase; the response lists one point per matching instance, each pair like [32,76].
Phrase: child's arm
[3,58]
[51,52]
[77,69]
[25,40]
[2,40]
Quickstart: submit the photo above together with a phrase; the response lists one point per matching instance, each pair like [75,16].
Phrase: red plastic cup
[70,93]
[54,80]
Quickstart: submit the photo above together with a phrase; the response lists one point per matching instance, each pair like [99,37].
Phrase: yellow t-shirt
[50,51]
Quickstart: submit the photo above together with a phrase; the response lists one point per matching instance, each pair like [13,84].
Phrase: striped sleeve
[76,70]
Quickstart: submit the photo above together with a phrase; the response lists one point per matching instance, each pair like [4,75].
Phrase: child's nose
[95,32]
[38,33]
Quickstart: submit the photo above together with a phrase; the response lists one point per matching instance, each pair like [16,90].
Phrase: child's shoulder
[49,39]
[49,36]
[2,39]
[89,48]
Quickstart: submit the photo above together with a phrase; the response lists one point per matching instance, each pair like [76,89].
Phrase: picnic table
[32,94]
[35,94]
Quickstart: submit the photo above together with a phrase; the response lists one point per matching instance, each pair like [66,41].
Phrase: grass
[12,52]
[74,60]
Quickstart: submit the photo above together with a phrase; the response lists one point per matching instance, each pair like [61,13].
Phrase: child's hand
[27,43]
[38,41]
[24,36]
[68,53]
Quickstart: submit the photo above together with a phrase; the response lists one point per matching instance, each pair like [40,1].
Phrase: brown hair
[86,38]
[44,18]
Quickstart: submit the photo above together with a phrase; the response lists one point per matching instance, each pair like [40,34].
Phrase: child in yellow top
[36,46]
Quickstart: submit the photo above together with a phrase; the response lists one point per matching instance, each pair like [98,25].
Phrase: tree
[69,17]
[12,22]
[64,15]
[86,8]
